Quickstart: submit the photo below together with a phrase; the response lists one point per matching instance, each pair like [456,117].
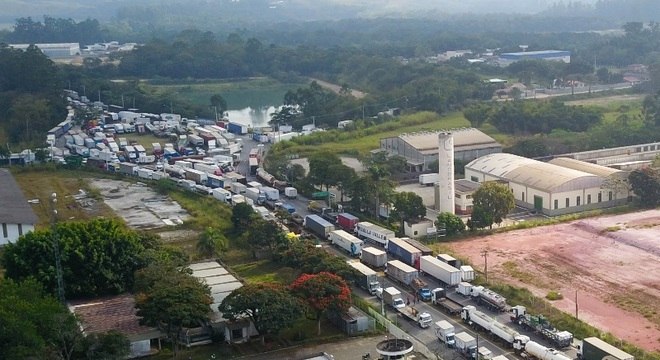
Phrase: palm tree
[211,243]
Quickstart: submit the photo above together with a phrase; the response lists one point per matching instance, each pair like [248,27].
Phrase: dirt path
[335,88]
[613,263]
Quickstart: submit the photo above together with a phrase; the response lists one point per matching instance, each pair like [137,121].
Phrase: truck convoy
[366,278]
[373,233]
[593,348]
[318,226]
[466,345]
[540,352]
[399,249]
[489,298]
[445,332]
[347,242]
[476,318]
[392,296]
[540,324]
[374,257]
[440,270]
[401,272]
[439,298]
[423,319]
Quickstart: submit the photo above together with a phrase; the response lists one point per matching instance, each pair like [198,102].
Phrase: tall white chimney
[446,172]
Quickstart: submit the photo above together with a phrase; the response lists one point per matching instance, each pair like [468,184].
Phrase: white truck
[256,195]
[464,288]
[373,233]
[445,332]
[429,179]
[392,296]
[347,242]
[440,270]
[222,195]
[540,352]
[423,319]
[272,194]
[367,279]
[466,345]
[290,192]
[489,298]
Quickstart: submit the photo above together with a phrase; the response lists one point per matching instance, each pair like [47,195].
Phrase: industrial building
[16,215]
[421,149]
[463,190]
[54,51]
[558,187]
[552,55]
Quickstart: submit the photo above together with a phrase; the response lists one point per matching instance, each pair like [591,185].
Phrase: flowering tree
[322,292]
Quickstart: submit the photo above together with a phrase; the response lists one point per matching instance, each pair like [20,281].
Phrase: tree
[34,324]
[265,234]
[322,292]
[170,299]
[450,222]
[211,242]
[319,168]
[112,345]
[98,257]
[219,104]
[645,183]
[342,177]
[408,206]
[241,216]
[270,306]
[494,201]
[479,219]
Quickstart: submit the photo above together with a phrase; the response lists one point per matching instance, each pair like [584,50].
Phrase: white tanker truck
[539,351]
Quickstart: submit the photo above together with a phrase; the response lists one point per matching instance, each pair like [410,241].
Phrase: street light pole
[56,250]
[485,255]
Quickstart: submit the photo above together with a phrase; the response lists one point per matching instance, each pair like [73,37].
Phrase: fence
[397,332]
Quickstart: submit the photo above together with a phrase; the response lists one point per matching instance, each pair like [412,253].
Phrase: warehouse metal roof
[464,139]
[536,174]
[465,186]
[219,280]
[590,168]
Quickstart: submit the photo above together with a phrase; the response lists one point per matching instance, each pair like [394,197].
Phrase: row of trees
[55,30]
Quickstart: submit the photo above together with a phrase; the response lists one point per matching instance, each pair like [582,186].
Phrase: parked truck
[347,221]
[475,318]
[467,273]
[539,324]
[373,257]
[540,352]
[318,226]
[445,332]
[197,176]
[593,348]
[478,319]
[423,319]
[257,196]
[373,233]
[399,249]
[421,289]
[392,296]
[448,259]
[439,298]
[429,179]
[466,345]
[440,270]
[366,278]
[464,288]
[400,272]
[290,192]
[347,242]
[489,298]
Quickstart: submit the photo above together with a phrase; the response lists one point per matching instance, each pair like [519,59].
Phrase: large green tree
[450,222]
[408,206]
[320,165]
[33,324]
[264,234]
[242,215]
[645,183]
[322,292]
[211,242]
[98,257]
[494,201]
[171,298]
[270,306]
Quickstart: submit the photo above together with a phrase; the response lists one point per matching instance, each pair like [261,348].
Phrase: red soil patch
[612,262]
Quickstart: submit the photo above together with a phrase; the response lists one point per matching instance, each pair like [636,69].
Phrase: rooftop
[14,208]
[464,139]
[539,52]
[465,186]
[590,168]
[112,313]
[221,282]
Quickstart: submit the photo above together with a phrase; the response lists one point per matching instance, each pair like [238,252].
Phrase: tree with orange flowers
[322,292]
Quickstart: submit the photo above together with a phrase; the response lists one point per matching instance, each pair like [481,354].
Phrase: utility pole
[56,250]
[576,304]
[484,253]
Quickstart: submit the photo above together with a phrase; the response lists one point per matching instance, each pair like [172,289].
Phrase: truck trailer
[347,221]
[445,332]
[373,233]
[440,270]
[347,242]
[367,279]
[593,348]
[440,299]
[401,272]
[374,257]
[318,226]
[399,249]
[539,324]
[423,319]
[489,298]
[540,352]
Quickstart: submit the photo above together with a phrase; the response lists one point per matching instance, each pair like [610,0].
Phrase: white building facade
[16,215]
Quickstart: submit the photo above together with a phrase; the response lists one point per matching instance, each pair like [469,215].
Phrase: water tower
[391,349]
[523,47]
[445,172]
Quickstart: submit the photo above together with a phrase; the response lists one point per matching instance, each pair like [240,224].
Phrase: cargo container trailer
[347,242]
[399,249]
[366,278]
[236,128]
[593,348]
[439,270]
[318,226]
[373,233]
[222,195]
[373,257]
[401,272]
[421,247]
[448,259]
[347,221]
[197,176]
[290,192]
[467,273]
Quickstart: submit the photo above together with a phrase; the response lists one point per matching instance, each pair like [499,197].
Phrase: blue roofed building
[552,55]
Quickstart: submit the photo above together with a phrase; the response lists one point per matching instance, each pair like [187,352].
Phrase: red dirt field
[613,263]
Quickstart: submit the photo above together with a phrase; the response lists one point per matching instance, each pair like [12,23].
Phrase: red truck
[347,221]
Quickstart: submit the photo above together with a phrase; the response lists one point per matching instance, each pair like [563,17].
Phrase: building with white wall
[54,50]
[420,149]
[16,215]
[552,188]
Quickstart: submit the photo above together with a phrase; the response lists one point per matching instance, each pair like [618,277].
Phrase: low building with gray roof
[16,215]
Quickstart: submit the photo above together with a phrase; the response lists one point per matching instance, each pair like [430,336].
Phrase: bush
[554,295]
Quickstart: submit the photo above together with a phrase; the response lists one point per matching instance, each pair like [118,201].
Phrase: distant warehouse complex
[560,186]
[553,55]
[421,149]
[54,51]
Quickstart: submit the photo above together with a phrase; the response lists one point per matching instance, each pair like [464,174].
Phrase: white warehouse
[557,187]
[16,215]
